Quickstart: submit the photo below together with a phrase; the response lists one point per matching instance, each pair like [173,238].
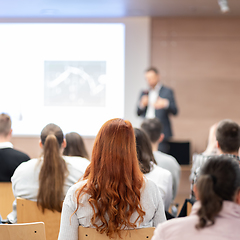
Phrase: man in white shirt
[10,158]
[158,101]
[153,128]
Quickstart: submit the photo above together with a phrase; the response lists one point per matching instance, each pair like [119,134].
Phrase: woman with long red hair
[113,194]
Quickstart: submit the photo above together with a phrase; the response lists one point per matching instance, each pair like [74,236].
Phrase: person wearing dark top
[158,101]
[10,158]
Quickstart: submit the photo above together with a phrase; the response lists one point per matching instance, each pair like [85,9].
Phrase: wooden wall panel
[199,58]
[30,145]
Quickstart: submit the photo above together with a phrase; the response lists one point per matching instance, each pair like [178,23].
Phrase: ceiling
[114,8]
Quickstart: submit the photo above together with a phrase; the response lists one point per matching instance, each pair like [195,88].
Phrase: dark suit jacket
[163,114]
[9,160]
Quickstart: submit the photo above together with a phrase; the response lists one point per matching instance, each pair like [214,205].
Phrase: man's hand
[161,103]
[144,101]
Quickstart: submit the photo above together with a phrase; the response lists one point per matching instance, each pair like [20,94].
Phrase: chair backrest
[189,208]
[26,231]
[28,211]
[6,199]
[133,234]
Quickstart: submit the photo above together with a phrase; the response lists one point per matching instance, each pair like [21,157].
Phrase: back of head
[153,128]
[219,181]
[228,136]
[144,150]
[53,170]
[75,146]
[114,177]
[5,124]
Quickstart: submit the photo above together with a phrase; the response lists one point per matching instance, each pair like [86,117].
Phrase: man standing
[158,101]
[9,157]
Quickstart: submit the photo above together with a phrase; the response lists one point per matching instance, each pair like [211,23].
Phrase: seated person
[199,159]
[216,214]
[161,176]
[113,194]
[47,179]
[225,139]
[75,146]
[153,128]
[10,158]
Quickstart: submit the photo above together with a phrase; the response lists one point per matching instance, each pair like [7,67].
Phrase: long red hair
[114,178]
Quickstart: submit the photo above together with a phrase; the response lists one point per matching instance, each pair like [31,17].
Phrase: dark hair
[219,180]
[53,171]
[153,128]
[144,150]
[228,136]
[5,124]
[75,146]
[114,180]
[152,69]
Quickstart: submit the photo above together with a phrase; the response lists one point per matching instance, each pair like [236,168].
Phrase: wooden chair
[6,199]
[189,208]
[135,234]
[26,231]
[28,211]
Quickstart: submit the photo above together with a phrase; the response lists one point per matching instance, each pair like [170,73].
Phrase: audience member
[216,214]
[161,176]
[227,136]
[75,146]
[10,158]
[113,193]
[199,159]
[153,128]
[47,179]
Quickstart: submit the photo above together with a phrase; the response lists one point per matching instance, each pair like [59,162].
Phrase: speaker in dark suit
[158,101]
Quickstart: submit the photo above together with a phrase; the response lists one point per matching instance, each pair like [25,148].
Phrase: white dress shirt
[152,98]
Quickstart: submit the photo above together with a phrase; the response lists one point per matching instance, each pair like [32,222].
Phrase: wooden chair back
[189,208]
[28,211]
[133,234]
[26,231]
[6,199]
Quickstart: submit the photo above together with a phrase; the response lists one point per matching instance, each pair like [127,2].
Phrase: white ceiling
[114,8]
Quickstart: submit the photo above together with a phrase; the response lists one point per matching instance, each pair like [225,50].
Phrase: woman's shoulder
[175,227]
[71,196]
[77,162]
[158,173]
[149,187]
[25,166]
[73,189]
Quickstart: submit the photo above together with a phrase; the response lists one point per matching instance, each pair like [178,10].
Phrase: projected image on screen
[70,74]
[75,83]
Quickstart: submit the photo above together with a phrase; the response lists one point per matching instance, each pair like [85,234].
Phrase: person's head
[5,126]
[75,146]
[228,136]
[152,76]
[219,181]
[144,150]
[53,131]
[53,171]
[153,128]
[113,177]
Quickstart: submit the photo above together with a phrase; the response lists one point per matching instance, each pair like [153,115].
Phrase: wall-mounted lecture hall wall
[199,58]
